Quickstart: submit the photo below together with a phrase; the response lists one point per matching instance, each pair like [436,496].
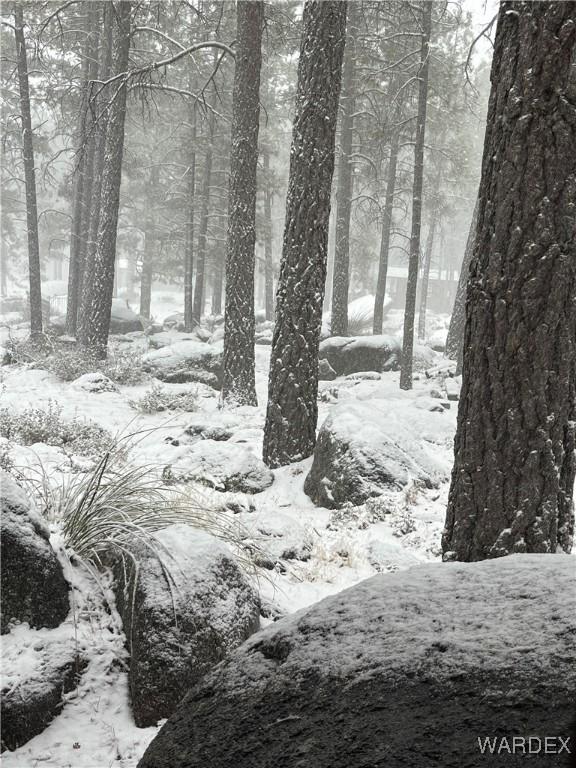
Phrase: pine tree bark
[98,292]
[341,270]
[514,458]
[428,248]
[238,382]
[202,246]
[34,270]
[385,237]
[292,413]
[147,274]
[84,171]
[268,262]
[455,338]
[189,243]
[413,263]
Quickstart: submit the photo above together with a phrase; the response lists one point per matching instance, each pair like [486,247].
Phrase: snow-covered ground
[95,728]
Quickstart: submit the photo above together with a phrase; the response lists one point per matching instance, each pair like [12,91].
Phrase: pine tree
[292,413]
[238,385]
[514,459]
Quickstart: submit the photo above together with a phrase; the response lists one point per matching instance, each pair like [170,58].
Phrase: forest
[288,383]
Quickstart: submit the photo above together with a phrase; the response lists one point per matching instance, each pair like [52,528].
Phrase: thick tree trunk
[84,170]
[513,477]
[198,307]
[150,239]
[238,384]
[410,308]
[34,271]
[98,293]
[455,338]
[341,271]
[268,262]
[290,429]
[385,237]
[189,243]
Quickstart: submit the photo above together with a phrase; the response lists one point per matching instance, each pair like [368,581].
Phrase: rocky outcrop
[362,451]
[349,354]
[184,608]
[123,319]
[186,361]
[33,585]
[405,669]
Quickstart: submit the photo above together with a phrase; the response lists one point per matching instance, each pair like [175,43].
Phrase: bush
[158,399]
[121,366]
[35,425]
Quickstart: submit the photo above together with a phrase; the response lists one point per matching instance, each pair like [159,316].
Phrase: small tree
[514,458]
[290,429]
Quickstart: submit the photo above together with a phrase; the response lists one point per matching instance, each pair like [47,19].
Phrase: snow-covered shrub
[35,425]
[158,399]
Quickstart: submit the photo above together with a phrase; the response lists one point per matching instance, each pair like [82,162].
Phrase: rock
[166,338]
[362,450]
[279,537]
[423,357]
[174,321]
[203,333]
[223,466]
[123,319]
[94,382]
[186,361]
[361,353]
[33,702]
[264,337]
[217,336]
[403,669]
[452,388]
[325,371]
[219,427]
[179,627]
[364,376]
[33,585]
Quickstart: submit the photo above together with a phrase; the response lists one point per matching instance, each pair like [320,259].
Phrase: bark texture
[341,273]
[238,384]
[99,289]
[411,285]
[189,243]
[150,241]
[199,297]
[513,477]
[34,271]
[290,429]
[385,237]
[268,262]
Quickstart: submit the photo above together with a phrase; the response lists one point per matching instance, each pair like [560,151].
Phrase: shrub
[35,425]
[158,399]
[121,366]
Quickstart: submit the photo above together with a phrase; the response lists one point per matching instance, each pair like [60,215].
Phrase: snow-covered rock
[123,319]
[94,382]
[223,466]
[33,585]
[403,669]
[364,448]
[190,607]
[325,371]
[278,535]
[186,361]
[166,338]
[348,354]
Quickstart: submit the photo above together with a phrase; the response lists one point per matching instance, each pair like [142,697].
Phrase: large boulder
[349,354]
[33,585]
[186,361]
[223,466]
[415,668]
[123,319]
[364,449]
[184,607]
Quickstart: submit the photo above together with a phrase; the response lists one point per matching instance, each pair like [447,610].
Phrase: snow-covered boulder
[348,354]
[325,371]
[190,607]
[404,669]
[166,338]
[279,536]
[264,337]
[223,466]
[94,382]
[363,449]
[33,585]
[186,361]
[123,319]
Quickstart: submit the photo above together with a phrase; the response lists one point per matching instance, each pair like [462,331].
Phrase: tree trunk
[292,413]
[189,253]
[426,262]
[268,262]
[149,245]
[84,171]
[98,293]
[198,308]
[514,459]
[341,270]
[238,385]
[34,271]
[410,308]
[385,237]
[455,338]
